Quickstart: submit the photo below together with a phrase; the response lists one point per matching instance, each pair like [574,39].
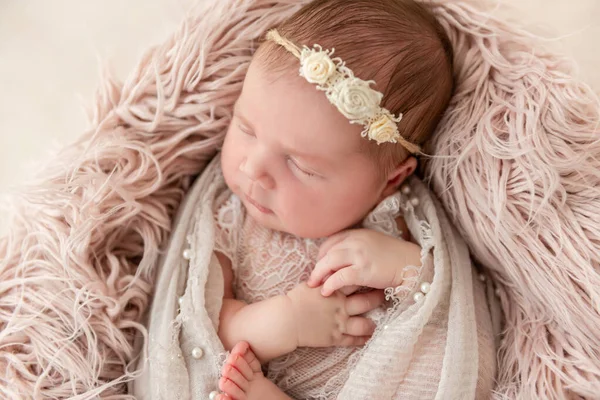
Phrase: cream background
[50,53]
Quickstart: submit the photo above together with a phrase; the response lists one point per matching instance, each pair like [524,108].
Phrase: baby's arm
[268,326]
[301,317]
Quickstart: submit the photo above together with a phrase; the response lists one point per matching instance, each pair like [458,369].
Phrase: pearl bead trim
[425,288]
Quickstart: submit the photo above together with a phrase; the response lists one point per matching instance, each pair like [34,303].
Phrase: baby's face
[295,160]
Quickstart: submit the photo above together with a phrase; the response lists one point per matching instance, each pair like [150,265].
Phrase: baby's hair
[397,43]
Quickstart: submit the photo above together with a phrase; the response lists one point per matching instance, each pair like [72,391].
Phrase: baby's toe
[238,362]
[231,389]
[230,372]
[252,361]
[240,348]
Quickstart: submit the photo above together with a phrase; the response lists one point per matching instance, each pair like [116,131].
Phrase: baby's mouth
[260,208]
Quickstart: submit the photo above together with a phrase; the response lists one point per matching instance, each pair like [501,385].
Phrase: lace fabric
[268,263]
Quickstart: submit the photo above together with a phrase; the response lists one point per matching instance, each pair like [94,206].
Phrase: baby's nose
[258,173]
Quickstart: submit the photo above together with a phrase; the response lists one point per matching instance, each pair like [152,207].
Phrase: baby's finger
[363,302]
[347,290]
[347,276]
[359,326]
[333,261]
[350,341]
[332,241]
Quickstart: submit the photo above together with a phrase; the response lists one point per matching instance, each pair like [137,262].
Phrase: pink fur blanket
[516,167]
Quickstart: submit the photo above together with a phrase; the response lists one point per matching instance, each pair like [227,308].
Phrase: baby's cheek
[229,157]
[298,217]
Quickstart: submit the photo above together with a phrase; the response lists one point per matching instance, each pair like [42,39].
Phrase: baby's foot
[242,377]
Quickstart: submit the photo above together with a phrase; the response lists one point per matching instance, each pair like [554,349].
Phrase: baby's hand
[363,257]
[332,321]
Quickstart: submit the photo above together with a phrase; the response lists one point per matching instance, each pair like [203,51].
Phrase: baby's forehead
[294,112]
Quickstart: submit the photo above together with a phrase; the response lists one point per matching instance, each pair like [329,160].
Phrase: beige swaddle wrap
[439,348]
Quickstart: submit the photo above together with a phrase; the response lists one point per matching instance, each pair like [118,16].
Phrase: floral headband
[352,96]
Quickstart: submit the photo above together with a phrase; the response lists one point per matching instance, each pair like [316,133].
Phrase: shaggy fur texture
[516,166]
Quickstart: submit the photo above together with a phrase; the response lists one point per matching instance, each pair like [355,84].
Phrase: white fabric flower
[383,129]
[317,67]
[355,99]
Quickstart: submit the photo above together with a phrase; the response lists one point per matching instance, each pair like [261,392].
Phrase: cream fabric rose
[355,99]
[383,129]
[317,67]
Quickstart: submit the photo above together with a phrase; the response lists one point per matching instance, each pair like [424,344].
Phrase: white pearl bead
[417,297]
[405,189]
[414,201]
[482,277]
[180,300]
[187,254]
[213,395]
[425,287]
[197,353]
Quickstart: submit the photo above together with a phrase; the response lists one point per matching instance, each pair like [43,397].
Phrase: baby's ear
[397,175]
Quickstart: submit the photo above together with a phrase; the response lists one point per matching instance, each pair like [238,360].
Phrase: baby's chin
[305,231]
[300,227]
[321,231]
[269,221]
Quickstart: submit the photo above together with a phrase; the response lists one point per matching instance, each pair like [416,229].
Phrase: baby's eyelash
[245,129]
[309,174]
